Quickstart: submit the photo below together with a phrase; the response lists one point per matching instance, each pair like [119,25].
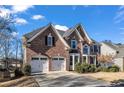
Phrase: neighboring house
[116,50]
[11,62]
[50,49]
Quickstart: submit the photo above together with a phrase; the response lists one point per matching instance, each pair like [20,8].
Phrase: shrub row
[85,68]
[113,68]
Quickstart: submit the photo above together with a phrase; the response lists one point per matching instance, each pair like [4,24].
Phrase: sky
[100,22]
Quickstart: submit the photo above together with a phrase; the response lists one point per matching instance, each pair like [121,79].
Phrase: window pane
[43,58]
[35,58]
[61,58]
[54,58]
[70,60]
[49,40]
[73,44]
[85,50]
[95,48]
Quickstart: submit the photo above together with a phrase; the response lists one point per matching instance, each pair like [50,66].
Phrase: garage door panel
[58,64]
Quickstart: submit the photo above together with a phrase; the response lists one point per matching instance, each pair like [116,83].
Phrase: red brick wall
[38,47]
[74,35]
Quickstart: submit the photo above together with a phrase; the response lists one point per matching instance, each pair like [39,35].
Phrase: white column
[78,58]
[73,61]
[95,59]
[86,59]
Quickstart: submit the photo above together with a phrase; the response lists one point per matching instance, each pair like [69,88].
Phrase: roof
[61,32]
[95,42]
[119,48]
[31,34]
[110,44]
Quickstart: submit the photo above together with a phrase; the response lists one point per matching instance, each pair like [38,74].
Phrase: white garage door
[39,64]
[58,64]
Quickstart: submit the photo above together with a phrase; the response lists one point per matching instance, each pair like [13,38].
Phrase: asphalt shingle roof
[31,34]
[118,47]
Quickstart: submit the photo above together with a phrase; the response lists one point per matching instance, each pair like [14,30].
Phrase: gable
[72,36]
[51,28]
[83,34]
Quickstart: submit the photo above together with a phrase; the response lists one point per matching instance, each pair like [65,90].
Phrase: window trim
[73,40]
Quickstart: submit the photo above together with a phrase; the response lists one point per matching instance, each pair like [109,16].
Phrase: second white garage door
[57,64]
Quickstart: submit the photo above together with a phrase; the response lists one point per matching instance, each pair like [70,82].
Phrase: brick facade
[38,47]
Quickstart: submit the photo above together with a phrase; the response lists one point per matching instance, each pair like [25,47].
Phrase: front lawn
[107,76]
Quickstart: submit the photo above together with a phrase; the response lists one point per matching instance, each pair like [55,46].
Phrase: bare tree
[6,37]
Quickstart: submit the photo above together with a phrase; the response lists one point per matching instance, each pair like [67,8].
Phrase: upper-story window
[73,44]
[95,48]
[49,41]
[85,49]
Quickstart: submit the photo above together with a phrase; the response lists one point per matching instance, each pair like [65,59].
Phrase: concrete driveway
[67,79]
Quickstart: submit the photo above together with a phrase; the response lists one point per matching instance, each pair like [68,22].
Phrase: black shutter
[45,40]
[53,41]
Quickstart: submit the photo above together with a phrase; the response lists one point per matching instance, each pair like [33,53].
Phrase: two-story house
[115,50]
[50,49]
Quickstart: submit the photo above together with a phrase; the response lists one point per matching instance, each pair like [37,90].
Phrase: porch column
[95,60]
[78,59]
[87,59]
[73,61]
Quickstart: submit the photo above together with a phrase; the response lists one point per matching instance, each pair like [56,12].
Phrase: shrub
[27,69]
[92,68]
[18,72]
[85,68]
[114,68]
[78,67]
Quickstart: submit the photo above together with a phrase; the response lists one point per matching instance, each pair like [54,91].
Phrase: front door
[73,60]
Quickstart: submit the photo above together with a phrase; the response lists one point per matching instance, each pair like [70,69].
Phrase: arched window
[86,49]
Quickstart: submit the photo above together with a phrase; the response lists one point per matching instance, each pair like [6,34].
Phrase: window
[85,49]
[54,58]
[95,48]
[34,58]
[71,59]
[73,44]
[49,40]
[43,58]
[61,58]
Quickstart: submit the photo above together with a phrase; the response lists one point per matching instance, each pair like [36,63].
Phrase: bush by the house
[102,69]
[78,67]
[18,72]
[85,68]
[27,69]
[114,68]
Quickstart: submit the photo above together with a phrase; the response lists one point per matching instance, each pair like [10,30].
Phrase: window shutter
[45,40]
[53,41]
